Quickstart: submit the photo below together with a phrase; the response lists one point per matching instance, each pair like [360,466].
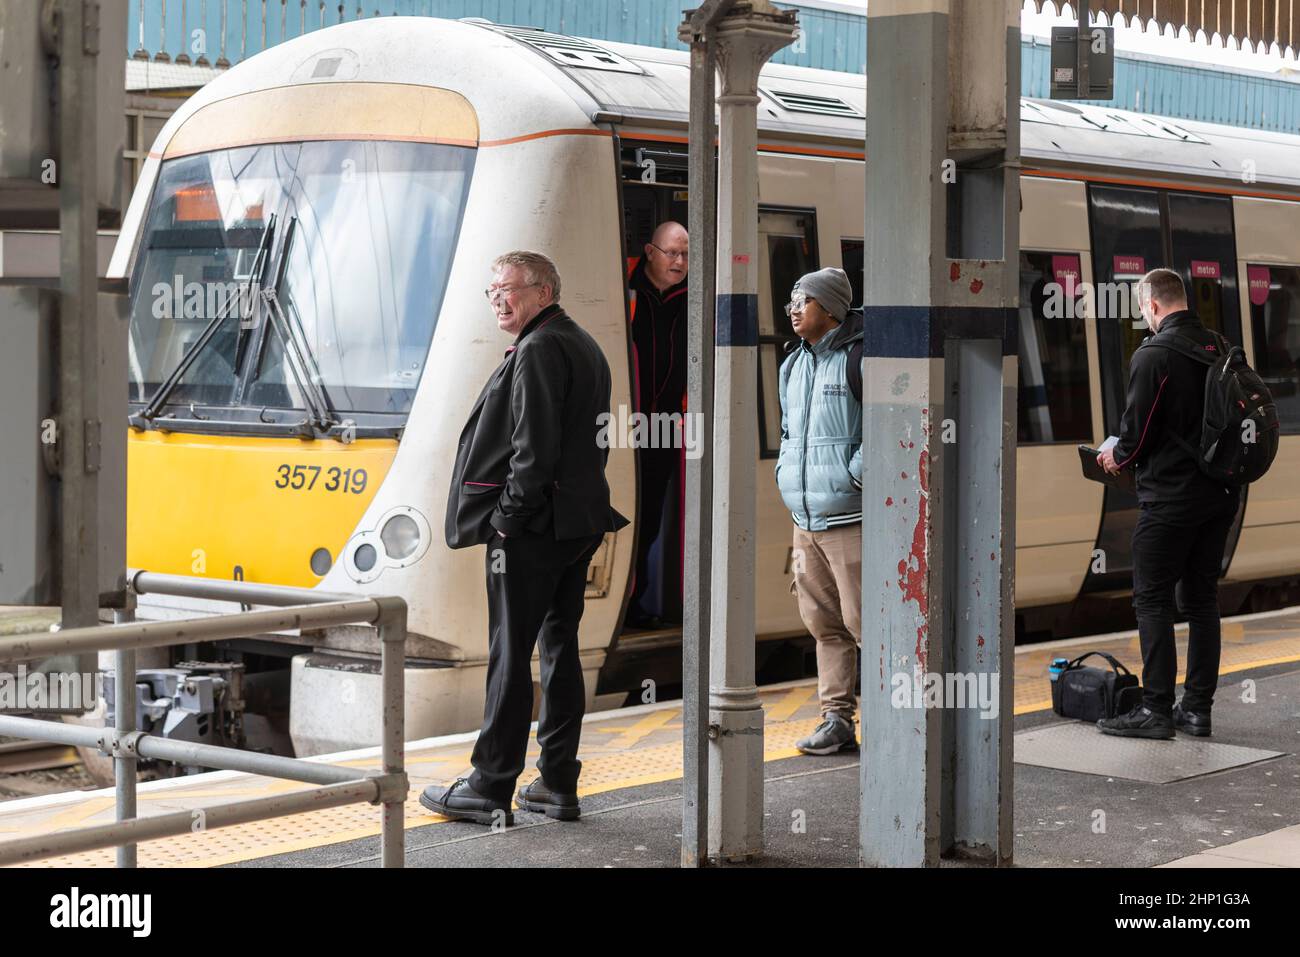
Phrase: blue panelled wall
[227,31]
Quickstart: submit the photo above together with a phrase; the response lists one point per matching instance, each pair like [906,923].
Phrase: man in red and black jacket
[657,292]
[1183,521]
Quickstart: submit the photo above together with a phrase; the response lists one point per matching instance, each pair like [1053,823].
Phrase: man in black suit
[529,482]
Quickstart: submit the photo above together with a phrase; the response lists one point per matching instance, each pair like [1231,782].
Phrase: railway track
[17,756]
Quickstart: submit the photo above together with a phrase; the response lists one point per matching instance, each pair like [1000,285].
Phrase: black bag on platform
[1090,694]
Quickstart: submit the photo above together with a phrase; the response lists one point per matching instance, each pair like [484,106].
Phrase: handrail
[296,608]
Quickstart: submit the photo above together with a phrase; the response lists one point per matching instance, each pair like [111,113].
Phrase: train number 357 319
[332,479]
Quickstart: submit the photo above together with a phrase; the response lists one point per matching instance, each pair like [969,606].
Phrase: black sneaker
[1195,723]
[1141,722]
[537,797]
[462,803]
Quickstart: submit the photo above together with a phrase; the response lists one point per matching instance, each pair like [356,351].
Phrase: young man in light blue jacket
[819,473]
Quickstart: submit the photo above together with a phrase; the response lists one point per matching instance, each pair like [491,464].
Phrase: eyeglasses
[501,292]
[798,303]
[683,256]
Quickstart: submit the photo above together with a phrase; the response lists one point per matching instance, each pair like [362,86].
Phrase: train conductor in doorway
[529,482]
[657,294]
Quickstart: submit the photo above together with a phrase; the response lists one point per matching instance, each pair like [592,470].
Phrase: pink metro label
[1066,272]
[1258,280]
[1130,265]
[1202,269]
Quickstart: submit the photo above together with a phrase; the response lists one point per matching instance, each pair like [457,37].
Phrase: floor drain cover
[1081,747]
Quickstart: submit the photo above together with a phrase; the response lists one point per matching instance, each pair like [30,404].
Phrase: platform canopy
[1254,25]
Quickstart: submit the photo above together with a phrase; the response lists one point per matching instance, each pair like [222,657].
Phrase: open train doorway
[655,198]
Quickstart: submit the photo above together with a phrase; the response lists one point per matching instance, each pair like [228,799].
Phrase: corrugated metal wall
[1176,90]
[832,41]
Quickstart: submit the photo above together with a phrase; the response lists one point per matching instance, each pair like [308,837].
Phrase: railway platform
[1081,799]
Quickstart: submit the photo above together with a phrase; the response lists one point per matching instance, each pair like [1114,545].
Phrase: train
[361,179]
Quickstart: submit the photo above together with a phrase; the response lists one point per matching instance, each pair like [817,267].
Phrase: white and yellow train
[367,174]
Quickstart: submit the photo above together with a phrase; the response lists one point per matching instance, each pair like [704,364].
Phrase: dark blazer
[528,458]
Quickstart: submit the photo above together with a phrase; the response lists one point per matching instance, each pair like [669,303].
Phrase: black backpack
[1231,452]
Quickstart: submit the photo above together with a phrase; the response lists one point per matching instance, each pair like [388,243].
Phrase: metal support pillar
[939,419]
[392,641]
[79,417]
[124,762]
[697,30]
[746,38]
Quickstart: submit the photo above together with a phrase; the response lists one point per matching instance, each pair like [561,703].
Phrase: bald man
[657,290]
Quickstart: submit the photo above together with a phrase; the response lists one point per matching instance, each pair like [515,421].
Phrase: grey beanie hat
[831,288]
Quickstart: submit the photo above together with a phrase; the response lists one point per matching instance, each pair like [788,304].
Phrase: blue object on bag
[1057,666]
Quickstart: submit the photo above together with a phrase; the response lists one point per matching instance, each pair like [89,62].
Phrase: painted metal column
[939,419]
[124,762]
[79,426]
[746,38]
[697,30]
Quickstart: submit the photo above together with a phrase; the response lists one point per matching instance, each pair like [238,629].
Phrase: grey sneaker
[833,734]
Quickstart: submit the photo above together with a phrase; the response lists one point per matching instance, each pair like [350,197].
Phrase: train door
[1135,230]
[654,184]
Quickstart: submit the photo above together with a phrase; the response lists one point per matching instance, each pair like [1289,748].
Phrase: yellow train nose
[278,509]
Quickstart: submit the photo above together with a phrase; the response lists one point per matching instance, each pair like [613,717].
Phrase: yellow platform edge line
[1225,670]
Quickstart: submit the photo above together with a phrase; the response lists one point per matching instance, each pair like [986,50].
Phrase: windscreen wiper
[156,401]
[297,350]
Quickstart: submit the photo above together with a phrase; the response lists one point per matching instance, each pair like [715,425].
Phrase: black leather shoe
[462,803]
[537,797]
[1196,723]
[1141,722]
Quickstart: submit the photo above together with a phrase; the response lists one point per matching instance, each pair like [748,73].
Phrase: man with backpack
[819,474]
[1196,427]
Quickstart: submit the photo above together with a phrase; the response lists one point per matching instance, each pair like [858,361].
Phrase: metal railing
[297,608]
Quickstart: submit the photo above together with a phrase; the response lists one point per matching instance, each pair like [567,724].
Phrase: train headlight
[364,557]
[401,537]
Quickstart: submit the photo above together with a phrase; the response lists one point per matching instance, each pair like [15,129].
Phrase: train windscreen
[290,276]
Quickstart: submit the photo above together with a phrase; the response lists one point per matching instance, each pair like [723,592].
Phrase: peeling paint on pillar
[914,569]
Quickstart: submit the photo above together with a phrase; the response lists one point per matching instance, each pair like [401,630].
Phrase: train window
[1054,403]
[788,250]
[360,236]
[1127,240]
[1204,253]
[851,253]
[1275,321]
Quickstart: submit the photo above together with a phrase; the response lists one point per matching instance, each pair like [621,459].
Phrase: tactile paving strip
[1250,643]
[1081,747]
[617,752]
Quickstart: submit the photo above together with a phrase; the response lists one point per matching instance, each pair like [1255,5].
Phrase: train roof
[649,86]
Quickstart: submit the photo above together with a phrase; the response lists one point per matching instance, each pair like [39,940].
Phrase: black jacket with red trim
[530,457]
[659,341]
[1166,396]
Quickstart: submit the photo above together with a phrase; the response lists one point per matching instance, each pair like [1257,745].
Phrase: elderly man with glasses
[657,296]
[529,482]
[819,474]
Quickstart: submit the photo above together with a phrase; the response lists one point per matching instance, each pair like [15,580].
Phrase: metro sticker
[1258,281]
[1066,272]
[1130,265]
[1202,269]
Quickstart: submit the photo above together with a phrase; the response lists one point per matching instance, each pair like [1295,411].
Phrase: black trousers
[1177,553]
[658,469]
[535,588]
